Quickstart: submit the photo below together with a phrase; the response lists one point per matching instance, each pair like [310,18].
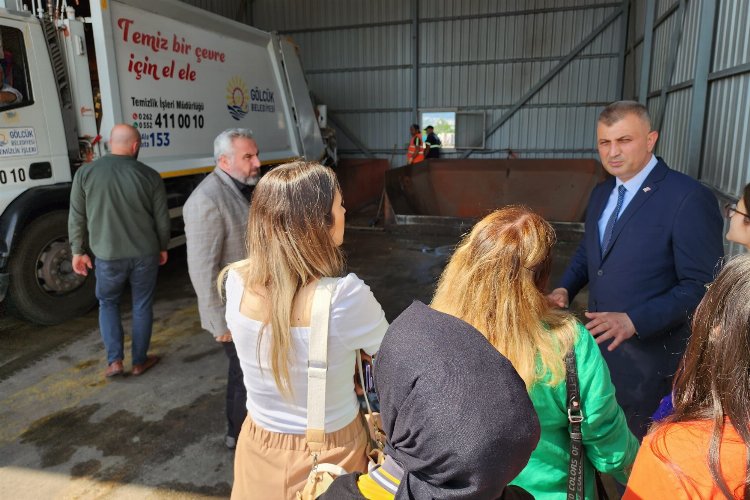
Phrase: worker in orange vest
[415,153]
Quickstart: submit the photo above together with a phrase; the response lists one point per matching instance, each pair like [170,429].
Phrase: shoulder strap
[575,417]
[317,364]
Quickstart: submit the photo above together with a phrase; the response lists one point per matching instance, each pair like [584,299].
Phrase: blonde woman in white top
[295,230]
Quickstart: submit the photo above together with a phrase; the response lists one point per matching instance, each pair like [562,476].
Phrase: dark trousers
[236,393]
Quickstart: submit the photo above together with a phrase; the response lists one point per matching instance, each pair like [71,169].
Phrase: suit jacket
[215,218]
[665,247]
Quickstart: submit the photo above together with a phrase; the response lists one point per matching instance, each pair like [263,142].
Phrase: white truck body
[179,74]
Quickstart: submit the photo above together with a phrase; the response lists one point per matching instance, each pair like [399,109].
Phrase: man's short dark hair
[429,127]
[618,110]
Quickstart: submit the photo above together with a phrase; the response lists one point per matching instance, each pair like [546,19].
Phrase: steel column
[346,131]
[415,56]
[672,62]
[248,9]
[648,44]
[700,87]
[623,47]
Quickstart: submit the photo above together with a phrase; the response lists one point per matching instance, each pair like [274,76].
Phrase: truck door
[35,175]
[33,151]
[307,122]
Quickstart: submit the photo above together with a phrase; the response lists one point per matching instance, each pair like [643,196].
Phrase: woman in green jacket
[496,282]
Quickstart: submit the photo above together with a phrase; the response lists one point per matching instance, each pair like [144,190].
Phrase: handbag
[575,417]
[321,475]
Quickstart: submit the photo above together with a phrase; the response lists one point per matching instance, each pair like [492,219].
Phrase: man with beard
[215,224]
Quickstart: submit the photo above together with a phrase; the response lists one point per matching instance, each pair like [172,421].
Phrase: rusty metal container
[465,190]
[361,180]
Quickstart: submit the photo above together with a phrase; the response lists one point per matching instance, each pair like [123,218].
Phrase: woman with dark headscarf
[459,422]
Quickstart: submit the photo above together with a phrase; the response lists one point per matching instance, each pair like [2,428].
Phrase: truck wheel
[43,287]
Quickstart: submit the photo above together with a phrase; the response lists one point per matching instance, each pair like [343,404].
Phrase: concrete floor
[66,432]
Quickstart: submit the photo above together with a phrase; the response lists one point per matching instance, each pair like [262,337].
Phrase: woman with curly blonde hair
[496,281]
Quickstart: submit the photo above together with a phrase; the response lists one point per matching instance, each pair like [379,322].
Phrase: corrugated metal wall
[361,60]
[239,10]
[706,125]
[375,67]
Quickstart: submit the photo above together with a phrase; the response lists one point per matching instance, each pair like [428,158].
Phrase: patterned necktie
[612,219]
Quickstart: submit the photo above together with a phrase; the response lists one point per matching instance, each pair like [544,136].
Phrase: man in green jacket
[118,212]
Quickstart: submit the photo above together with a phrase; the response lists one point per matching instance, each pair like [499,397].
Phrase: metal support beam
[549,76]
[700,87]
[484,15]
[623,46]
[671,63]
[482,62]
[249,19]
[346,131]
[415,61]
[556,105]
[351,135]
[648,43]
[658,22]
[729,72]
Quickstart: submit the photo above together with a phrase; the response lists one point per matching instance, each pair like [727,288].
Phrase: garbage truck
[177,73]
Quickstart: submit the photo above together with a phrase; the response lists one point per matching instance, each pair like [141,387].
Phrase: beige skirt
[271,465]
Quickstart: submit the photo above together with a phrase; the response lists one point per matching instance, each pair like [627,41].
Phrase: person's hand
[227,337]
[163,256]
[610,325]
[82,264]
[558,298]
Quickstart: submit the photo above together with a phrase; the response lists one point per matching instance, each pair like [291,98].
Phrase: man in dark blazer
[653,240]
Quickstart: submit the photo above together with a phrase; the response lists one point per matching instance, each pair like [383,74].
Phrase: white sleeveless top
[357,322]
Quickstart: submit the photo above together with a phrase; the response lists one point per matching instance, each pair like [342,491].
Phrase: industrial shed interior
[526,79]
[513,88]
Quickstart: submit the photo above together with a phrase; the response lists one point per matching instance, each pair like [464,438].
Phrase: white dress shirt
[631,188]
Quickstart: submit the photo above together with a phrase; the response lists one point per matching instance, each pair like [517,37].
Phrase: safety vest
[415,154]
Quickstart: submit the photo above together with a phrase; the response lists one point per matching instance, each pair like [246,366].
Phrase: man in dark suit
[653,239]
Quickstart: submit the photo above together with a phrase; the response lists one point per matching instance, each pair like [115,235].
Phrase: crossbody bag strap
[317,365]
[575,417]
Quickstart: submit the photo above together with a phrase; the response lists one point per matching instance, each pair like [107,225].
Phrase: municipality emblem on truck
[238,98]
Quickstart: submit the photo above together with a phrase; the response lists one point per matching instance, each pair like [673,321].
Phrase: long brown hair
[289,245]
[495,281]
[713,380]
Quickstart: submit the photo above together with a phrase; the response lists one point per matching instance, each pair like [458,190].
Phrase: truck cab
[179,74]
[35,175]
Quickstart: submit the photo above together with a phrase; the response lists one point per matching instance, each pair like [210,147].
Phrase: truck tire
[43,287]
